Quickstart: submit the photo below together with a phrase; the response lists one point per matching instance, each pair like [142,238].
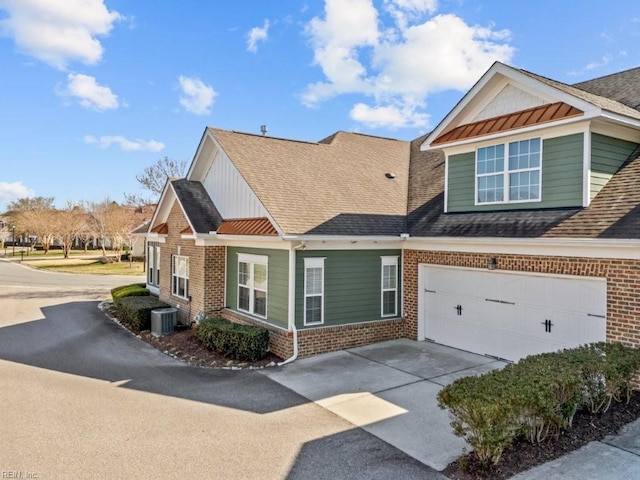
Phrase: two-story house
[512,228]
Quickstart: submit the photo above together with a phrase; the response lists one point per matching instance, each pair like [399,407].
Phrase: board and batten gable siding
[352,285]
[562,171]
[277,282]
[607,156]
[229,191]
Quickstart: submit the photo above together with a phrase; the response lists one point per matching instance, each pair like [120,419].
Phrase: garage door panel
[511,315]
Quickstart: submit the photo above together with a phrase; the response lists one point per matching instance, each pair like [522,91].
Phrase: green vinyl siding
[461,184]
[352,285]
[277,282]
[607,156]
[562,160]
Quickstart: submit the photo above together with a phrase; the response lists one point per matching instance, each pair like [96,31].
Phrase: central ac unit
[163,321]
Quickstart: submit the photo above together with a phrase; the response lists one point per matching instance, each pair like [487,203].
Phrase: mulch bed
[522,455]
[185,346]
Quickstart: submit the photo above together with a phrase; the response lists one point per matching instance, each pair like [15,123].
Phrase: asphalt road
[82,398]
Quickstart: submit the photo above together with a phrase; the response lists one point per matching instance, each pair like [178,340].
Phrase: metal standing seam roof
[247,226]
[511,121]
[304,185]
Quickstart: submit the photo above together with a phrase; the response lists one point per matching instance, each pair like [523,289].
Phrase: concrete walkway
[390,390]
[614,458]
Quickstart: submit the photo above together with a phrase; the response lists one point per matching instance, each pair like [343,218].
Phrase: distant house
[512,228]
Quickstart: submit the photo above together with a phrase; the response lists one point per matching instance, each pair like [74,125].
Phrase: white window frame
[388,261]
[176,276]
[153,264]
[252,261]
[506,172]
[309,264]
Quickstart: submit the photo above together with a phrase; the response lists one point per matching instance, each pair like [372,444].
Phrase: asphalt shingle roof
[623,87]
[312,187]
[197,205]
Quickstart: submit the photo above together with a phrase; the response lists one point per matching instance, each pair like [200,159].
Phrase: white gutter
[346,238]
[578,247]
[292,303]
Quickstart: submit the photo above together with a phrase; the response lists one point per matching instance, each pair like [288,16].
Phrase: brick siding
[623,283]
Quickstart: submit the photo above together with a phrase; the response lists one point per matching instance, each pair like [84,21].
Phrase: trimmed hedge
[135,289]
[538,396]
[135,311]
[242,342]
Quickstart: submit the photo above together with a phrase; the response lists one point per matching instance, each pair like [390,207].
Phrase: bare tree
[27,203]
[5,233]
[154,177]
[113,224]
[68,224]
[39,222]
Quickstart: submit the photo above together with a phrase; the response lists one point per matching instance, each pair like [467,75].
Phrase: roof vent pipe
[263,129]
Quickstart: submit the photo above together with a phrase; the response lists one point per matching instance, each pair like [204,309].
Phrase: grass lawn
[123,268]
[56,253]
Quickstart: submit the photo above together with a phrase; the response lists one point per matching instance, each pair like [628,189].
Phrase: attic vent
[263,129]
[390,175]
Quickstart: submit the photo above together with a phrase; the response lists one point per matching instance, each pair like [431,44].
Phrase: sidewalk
[613,458]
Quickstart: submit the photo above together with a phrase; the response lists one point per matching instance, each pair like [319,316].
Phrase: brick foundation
[312,341]
[623,283]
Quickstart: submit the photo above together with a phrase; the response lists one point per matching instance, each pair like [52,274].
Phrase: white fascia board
[196,156]
[155,237]
[530,83]
[160,206]
[189,236]
[344,238]
[555,247]
[209,240]
[621,119]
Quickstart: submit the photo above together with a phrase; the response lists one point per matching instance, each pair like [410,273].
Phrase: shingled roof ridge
[621,72]
[250,134]
[328,140]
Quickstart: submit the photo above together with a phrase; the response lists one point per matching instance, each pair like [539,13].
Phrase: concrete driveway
[389,389]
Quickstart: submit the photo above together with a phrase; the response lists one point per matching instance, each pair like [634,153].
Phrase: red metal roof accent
[187,231]
[510,121]
[162,228]
[247,226]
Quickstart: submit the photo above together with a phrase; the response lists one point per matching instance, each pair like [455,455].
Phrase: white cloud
[605,60]
[197,97]
[257,34]
[58,32]
[401,63]
[390,116]
[10,192]
[125,144]
[89,93]
[336,40]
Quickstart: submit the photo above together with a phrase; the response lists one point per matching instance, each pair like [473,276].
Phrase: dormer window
[511,181]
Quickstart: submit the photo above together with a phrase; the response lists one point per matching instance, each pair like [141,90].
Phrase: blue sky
[93,91]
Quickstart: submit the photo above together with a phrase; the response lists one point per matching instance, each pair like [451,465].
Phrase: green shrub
[483,413]
[538,395]
[547,392]
[607,371]
[133,290]
[135,311]
[243,342]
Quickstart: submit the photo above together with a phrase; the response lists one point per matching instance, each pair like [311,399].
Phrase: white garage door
[510,315]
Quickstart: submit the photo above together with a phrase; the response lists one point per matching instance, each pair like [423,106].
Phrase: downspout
[292,302]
